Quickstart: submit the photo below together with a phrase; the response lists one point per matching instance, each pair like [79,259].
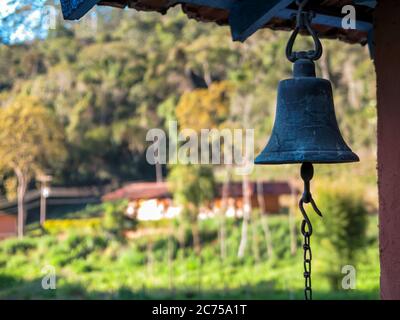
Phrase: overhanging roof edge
[217,4]
[76,9]
[244,17]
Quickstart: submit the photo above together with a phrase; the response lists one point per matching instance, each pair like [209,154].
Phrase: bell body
[305,128]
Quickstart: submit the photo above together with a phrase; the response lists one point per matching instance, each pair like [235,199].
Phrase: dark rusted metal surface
[305,128]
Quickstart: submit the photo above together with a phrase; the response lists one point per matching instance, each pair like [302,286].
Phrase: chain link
[307,266]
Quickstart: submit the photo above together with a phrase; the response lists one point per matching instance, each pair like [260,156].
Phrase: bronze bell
[305,128]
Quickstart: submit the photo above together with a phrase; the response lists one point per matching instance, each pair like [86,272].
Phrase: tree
[209,108]
[31,141]
[343,230]
[192,186]
[205,108]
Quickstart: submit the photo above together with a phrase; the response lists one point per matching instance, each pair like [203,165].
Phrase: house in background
[154,201]
[8,225]
[147,200]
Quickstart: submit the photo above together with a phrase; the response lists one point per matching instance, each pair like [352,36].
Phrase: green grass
[94,265]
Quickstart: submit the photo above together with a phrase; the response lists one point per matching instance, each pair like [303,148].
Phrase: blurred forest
[115,74]
[78,100]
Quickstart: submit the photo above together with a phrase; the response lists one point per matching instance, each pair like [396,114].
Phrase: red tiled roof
[154,190]
[139,190]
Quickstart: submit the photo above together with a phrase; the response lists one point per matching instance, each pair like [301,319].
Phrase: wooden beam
[217,4]
[76,9]
[327,20]
[246,17]
[368,3]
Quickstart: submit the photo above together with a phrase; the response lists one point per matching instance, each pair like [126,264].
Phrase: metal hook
[306,221]
[307,173]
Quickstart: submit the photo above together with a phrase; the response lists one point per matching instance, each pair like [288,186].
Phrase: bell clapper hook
[307,173]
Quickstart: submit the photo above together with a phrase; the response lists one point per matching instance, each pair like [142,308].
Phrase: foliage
[108,216]
[342,231]
[68,225]
[89,211]
[31,142]
[14,246]
[102,90]
[204,108]
[114,217]
[10,188]
[30,137]
[193,186]
[91,265]
[107,91]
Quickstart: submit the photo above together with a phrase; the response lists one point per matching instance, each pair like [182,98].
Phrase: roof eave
[244,17]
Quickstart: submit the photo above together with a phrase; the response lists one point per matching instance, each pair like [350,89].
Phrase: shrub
[65,225]
[13,246]
[114,217]
[89,211]
[132,257]
[82,266]
[342,230]
[86,242]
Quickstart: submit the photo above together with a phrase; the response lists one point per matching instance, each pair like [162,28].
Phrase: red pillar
[387,63]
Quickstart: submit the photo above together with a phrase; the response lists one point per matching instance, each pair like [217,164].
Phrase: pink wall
[8,226]
[387,63]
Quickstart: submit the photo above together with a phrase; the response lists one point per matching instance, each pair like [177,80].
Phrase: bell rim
[304,79]
[318,157]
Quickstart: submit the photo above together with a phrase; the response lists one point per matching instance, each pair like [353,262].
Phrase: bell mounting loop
[303,22]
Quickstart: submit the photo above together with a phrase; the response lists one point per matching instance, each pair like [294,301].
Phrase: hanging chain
[307,172]
[307,265]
